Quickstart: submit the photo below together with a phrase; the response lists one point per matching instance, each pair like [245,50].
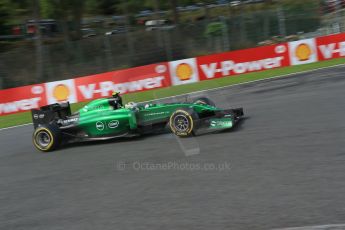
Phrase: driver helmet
[115,94]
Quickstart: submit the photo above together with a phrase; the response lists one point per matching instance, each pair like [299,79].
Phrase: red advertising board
[173,73]
[330,47]
[243,61]
[22,99]
[124,81]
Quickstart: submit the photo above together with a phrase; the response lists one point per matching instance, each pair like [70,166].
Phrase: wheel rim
[181,123]
[43,139]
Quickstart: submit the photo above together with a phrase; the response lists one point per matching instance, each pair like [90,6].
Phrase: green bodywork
[98,118]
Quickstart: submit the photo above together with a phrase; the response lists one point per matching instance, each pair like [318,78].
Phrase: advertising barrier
[22,99]
[180,72]
[80,89]
[331,47]
[243,61]
[124,81]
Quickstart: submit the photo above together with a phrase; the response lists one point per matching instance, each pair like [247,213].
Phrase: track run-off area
[281,167]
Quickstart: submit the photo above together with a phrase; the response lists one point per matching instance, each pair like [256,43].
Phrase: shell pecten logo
[303,52]
[184,71]
[61,92]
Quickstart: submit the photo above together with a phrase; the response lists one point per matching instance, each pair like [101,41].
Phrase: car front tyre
[182,123]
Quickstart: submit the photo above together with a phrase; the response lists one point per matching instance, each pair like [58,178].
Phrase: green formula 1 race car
[104,119]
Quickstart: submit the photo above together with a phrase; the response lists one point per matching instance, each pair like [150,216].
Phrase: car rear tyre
[204,101]
[183,123]
[46,138]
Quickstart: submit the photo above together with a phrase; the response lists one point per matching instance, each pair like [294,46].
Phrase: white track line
[15,126]
[221,87]
[317,227]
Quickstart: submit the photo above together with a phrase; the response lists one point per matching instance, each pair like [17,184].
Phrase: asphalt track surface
[283,166]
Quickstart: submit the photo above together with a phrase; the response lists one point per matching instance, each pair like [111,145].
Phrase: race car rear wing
[49,113]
